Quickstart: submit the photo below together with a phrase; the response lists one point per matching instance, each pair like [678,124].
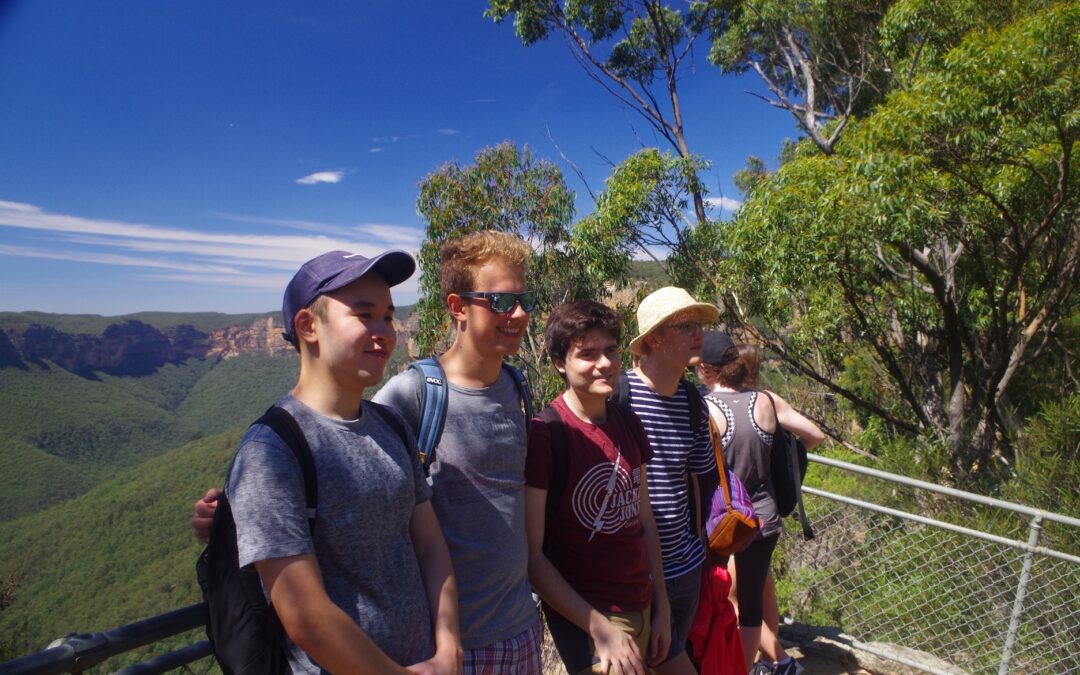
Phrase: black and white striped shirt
[677,450]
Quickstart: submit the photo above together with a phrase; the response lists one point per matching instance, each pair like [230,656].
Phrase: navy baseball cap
[334,270]
[716,347]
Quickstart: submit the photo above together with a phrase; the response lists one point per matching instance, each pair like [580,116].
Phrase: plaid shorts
[520,655]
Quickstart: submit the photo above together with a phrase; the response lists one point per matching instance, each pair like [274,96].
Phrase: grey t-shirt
[478,491]
[368,484]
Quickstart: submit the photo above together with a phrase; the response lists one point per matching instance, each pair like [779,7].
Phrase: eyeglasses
[504,303]
[686,327]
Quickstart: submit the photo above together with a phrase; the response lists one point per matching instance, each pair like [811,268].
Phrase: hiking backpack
[787,467]
[244,631]
[433,403]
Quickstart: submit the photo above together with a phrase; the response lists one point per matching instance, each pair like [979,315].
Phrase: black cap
[717,349]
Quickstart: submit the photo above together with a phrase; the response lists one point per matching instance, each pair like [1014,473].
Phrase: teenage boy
[594,555]
[370,589]
[478,474]
[671,325]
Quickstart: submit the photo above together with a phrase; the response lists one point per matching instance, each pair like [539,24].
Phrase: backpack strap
[433,397]
[524,391]
[284,425]
[560,465]
[434,394]
[391,419]
[622,392]
[793,469]
[694,400]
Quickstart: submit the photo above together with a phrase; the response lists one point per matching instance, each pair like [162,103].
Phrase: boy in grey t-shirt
[478,476]
[371,590]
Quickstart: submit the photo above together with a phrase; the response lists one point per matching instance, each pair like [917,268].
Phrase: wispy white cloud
[375,149]
[406,237]
[401,235]
[114,259]
[321,177]
[257,261]
[723,203]
[445,131]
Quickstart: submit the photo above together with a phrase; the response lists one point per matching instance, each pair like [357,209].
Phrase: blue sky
[189,155]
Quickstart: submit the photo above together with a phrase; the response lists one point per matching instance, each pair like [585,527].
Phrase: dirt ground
[818,657]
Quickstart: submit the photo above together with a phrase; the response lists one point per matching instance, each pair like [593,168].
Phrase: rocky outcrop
[134,348]
[261,337]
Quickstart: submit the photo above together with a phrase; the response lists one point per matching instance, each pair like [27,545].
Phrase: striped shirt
[677,449]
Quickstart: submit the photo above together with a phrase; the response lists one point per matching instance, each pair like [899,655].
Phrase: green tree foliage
[119,553]
[1048,466]
[236,391]
[65,433]
[821,59]
[917,34]
[642,210]
[506,190]
[939,245]
[637,50]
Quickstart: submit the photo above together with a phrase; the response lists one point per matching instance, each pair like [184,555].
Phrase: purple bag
[732,523]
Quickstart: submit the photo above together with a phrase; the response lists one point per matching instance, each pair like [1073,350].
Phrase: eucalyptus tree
[937,249]
[507,190]
[636,50]
[820,59]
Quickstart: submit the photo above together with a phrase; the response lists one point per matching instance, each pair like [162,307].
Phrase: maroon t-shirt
[595,538]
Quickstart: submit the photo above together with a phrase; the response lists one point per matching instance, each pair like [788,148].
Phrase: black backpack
[787,467]
[243,629]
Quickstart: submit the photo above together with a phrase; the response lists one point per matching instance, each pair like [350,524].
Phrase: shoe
[763,667]
[788,666]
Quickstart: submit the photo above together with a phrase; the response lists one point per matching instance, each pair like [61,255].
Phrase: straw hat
[661,305]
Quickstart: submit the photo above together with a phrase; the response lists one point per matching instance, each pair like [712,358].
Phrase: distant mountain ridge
[135,348]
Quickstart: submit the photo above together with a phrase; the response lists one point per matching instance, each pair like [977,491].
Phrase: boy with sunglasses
[478,473]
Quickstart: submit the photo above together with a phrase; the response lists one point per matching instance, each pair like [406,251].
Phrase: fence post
[1021,591]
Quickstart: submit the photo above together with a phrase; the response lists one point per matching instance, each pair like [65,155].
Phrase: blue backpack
[433,401]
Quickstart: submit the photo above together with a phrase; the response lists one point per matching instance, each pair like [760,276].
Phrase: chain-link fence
[972,582]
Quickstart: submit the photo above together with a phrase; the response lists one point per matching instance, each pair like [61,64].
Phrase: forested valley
[908,265]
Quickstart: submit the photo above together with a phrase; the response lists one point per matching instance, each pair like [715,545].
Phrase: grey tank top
[746,453]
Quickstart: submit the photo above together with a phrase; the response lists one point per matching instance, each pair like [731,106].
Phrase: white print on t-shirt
[622,507]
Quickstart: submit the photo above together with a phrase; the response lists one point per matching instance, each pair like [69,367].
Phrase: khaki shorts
[577,650]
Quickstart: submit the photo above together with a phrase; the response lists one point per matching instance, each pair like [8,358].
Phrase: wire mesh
[885,579]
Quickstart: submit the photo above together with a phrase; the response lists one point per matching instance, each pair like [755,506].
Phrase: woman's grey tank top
[746,452]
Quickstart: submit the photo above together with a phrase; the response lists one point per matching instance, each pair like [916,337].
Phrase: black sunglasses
[503,303]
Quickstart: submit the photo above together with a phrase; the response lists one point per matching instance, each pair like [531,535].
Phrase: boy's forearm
[311,620]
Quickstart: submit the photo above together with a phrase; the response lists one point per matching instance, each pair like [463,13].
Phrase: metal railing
[965,579]
[949,588]
[78,653]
